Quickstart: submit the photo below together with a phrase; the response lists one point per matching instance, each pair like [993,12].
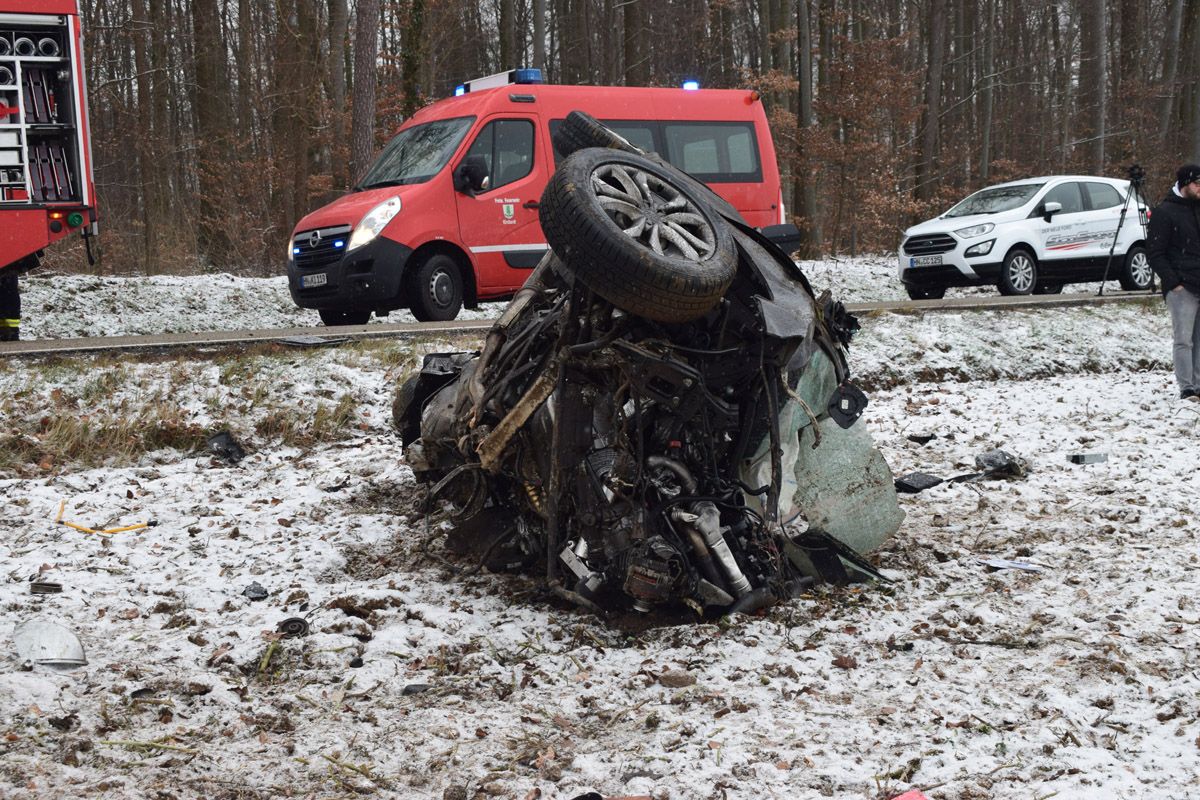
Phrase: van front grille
[317,249]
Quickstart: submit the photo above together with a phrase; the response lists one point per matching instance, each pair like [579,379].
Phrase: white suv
[1030,236]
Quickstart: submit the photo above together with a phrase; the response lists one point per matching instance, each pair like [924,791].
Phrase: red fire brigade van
[46,186]
[414,233]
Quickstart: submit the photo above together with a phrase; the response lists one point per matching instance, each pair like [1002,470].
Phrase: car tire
[1018,276]
[925,293]
[435,288]
[401,403]
[1136,275]
[581,130]
[1048,288]
[638,235]
[335,318]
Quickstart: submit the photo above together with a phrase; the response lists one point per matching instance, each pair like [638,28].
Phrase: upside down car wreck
[663,415]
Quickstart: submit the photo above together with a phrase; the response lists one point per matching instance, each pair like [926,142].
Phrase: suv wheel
[925,293]
[1136,275]
[1019,273]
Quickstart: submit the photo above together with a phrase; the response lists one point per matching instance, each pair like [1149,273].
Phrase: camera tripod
[1137,177]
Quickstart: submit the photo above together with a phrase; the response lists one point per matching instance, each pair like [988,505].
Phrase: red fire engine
[46,185]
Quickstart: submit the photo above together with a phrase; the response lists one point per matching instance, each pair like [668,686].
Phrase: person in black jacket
[1173,248]
[10,306]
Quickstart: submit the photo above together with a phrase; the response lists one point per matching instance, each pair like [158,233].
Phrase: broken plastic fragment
[255,592]
[223,445]
[1087,458]
[49,644]
[1000,563]
[915,482]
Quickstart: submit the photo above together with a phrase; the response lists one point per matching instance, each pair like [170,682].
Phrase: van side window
[637,132]
[714,152]
[507,148]
[1068,195]
[1102,195]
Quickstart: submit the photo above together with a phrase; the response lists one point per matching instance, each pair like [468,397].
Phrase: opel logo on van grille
[314,239]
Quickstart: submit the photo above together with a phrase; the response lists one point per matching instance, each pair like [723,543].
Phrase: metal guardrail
[322,335]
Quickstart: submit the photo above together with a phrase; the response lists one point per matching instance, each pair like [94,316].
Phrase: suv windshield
[416,154]
[991,201]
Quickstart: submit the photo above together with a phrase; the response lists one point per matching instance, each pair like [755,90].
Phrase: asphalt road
[320,335]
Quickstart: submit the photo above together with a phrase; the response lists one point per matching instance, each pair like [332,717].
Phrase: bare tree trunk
[337,95]
[145,112]
[637,63]
[413,58]
[989,92]
[927,165]
[1092,80]
[804,189]
[1171,55]
[508,35]
[211,103]
[539,34]
[362,121]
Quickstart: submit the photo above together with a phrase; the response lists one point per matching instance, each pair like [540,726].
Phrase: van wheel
[638,235]
[333,318]
[1136,275]
[1019,273]
[581,130]
[924,293]
[435,289]
[1048,288]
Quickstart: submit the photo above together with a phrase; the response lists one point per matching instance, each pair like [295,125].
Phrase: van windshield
[416,154]
[994,200]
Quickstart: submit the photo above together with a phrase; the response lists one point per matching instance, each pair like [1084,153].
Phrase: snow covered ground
[1076,681]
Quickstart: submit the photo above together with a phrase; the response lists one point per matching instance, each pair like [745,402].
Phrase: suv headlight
[374,222]
[975,230]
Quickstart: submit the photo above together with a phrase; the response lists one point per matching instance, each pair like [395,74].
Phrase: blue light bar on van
[691,86]
[500,79]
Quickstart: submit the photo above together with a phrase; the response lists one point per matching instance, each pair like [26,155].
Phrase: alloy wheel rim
[653,213]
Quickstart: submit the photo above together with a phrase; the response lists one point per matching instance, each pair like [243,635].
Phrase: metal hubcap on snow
[441,288]
[1139,270]
[652,212]
[1020,273]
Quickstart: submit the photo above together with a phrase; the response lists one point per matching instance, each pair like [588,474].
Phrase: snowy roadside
[1078,680]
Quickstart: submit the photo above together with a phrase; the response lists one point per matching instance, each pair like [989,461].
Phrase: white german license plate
[319,279]
[926,261]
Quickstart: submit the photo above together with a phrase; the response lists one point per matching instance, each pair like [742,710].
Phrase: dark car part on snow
[293,627]
[915,482]
[45,587]
[255,592]
[1001,464]
[223,445]
[1087,458]
[648,463]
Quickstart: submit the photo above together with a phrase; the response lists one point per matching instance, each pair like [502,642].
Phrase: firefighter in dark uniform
[10,298]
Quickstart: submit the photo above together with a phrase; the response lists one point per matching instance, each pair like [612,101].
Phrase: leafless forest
[217,123]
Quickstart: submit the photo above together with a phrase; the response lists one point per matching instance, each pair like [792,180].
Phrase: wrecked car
[663,415]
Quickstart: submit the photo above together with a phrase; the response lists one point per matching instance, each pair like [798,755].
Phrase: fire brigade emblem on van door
[509,210]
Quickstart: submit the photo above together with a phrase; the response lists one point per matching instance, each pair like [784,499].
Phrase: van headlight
[374,222]
[975,230]
[981,249]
